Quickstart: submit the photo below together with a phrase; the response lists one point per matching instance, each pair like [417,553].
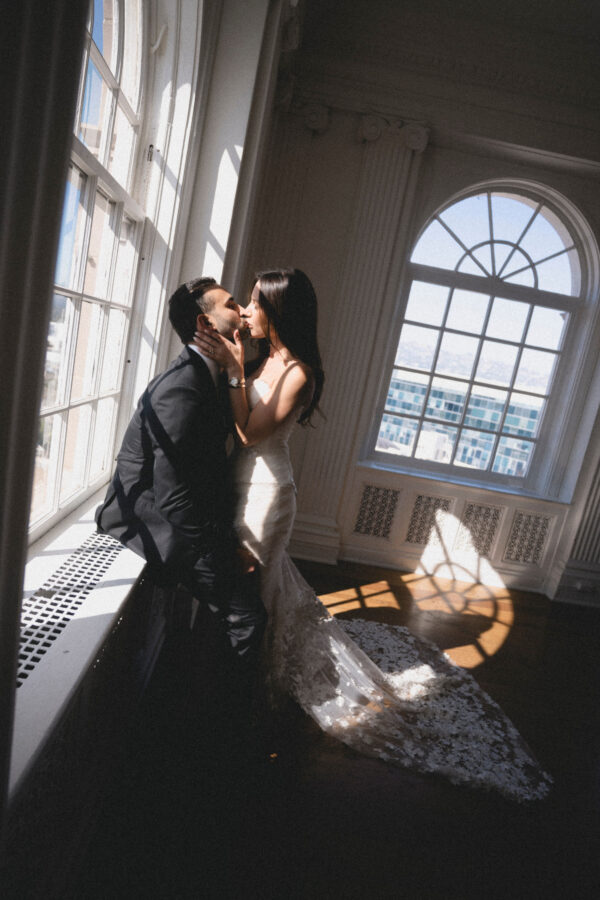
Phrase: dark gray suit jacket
[171,499]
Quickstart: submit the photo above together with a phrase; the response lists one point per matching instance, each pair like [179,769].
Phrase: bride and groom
[172,499]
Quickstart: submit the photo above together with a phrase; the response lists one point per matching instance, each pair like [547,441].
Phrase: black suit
[171,499]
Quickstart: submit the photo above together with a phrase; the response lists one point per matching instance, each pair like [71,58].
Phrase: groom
[171,499]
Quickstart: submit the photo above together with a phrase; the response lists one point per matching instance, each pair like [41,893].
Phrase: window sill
[512,490]
[44,695]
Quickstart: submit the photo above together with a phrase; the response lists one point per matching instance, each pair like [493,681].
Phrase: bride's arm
[282,398]
[287,393]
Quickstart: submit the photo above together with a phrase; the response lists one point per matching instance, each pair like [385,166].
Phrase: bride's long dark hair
[289,302]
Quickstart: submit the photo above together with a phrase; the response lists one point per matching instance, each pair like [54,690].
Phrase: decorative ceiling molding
[559,86]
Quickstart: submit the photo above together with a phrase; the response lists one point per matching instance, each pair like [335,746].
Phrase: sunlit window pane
[457,354]
[101,248]
[525,276]
[436,442]
[76,448]
[496,363]
[407,392]
[121,147]
[511,216]
[485,407]
[113,350]
[469,220]
[470,265]
[105,30]
[516,261]
[513,457]
[507,320]
[47,454]
[437,248]
[87,351]
[56,364]
[524,415]
[101,459]
[547,328]
[427,303]
[72,229]
[560,275]
[535,371]
[124,268]
[95,112]
[397,435]
[467,311]
[502,252]
[132,60]
[483,255]
[416,347]
[474,449]
[542,238]
[446,399]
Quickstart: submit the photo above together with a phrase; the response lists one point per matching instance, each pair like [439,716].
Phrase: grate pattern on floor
[48,611]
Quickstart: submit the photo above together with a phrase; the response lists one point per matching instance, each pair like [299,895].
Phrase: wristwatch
[237,382]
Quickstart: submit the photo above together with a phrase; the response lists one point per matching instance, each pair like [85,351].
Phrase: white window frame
[548,476]
[99,179]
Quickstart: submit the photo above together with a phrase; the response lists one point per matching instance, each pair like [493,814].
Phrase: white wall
[394,108]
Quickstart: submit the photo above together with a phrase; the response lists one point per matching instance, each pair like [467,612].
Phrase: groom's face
[224,312]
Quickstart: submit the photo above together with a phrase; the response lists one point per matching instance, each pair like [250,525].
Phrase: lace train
[386,693]
[377,688]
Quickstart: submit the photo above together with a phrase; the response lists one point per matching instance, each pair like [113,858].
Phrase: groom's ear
[202,321]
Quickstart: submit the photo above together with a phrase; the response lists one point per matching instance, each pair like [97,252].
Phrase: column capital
[416,137]
[317,117]
[372,127]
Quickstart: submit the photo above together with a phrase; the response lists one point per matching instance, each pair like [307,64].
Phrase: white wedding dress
[377,688]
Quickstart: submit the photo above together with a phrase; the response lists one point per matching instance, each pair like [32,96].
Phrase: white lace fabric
[378,688]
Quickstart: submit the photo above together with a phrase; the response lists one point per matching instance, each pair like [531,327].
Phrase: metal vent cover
[50,608]
[376,511]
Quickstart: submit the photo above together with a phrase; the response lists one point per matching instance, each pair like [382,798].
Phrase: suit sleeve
[180,421]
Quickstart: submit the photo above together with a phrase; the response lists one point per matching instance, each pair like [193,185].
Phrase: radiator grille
[48,611]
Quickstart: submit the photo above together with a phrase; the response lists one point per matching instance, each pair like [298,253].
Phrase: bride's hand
[227,355]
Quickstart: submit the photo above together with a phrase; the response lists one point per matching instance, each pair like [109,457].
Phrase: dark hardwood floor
[184,818]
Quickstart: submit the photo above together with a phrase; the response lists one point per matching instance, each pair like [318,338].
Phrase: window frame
[546,476]
[99,180]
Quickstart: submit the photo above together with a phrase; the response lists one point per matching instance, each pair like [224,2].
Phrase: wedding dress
[378,688]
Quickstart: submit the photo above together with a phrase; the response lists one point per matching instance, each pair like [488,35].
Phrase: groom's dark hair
[185,304]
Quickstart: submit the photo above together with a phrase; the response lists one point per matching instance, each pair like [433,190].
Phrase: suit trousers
[216,580]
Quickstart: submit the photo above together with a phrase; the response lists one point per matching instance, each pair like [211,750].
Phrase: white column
[391,153]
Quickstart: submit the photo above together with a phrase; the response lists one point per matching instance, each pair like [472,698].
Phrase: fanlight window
[95,270]
[495,281]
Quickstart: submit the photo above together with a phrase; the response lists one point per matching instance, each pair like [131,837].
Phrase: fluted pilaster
[388,167]
[586,547]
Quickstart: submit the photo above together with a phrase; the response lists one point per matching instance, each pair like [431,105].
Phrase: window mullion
[520,238]
[103,67]
[491,227]
[464,246]
[493,286]
[90,443]
[82,81]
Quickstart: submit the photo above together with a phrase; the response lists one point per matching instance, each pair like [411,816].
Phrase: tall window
[95,269]
[495,280]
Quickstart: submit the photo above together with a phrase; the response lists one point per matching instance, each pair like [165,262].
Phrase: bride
[377,688]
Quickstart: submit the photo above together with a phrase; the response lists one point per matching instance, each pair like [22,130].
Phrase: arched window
[496,281]
[96,266]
